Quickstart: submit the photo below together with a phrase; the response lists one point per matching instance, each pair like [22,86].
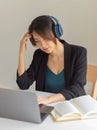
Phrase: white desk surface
[48,123]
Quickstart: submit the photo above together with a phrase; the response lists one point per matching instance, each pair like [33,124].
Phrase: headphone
[57,28]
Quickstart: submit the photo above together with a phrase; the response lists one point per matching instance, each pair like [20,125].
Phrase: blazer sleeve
[28,77]
[77,81]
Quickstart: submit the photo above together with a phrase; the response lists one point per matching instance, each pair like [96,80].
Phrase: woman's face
[44,44]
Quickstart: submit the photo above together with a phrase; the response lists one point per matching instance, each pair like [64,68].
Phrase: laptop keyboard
[45,110]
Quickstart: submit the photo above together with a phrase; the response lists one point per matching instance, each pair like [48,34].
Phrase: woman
[57,66]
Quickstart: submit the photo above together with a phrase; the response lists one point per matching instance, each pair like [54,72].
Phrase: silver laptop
[22,105]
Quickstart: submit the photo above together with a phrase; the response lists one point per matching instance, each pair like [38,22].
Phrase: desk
[48,123]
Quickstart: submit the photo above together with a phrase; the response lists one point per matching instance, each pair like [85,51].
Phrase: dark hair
[44,26]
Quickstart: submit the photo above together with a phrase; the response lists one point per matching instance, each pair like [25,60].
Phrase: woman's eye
[36,41]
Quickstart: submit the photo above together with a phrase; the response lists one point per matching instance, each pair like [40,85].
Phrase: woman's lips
[46,49]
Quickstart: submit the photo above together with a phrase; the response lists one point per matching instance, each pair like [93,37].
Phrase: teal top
[54,82]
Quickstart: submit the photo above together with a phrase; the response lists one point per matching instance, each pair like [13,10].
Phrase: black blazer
[75,66]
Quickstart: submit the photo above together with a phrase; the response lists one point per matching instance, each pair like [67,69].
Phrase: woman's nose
[43,44]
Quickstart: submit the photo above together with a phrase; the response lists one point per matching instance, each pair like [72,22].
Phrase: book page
[57,117]
[65,108]
[86,105]
[65,111]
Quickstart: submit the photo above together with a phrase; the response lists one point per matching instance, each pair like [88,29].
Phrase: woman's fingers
[25,38]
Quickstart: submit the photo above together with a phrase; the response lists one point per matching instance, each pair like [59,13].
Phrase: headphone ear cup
[58,30]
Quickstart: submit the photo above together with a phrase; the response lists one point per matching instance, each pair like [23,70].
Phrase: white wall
[77,17]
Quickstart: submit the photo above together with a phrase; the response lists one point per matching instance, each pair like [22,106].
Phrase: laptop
[22,105]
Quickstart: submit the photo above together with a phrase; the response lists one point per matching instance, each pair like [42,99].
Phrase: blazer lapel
[67,55]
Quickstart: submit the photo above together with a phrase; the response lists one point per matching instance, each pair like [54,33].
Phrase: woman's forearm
[51,99]
[21,65]
[56,98]
[22,51]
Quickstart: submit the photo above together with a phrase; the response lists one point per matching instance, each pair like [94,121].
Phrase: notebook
[22,105]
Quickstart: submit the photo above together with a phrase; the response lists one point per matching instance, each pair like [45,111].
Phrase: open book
[83,107]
